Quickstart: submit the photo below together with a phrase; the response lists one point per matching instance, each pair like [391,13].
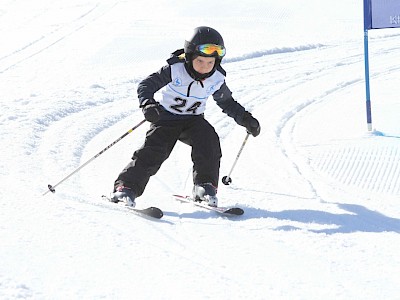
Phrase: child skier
[191,76]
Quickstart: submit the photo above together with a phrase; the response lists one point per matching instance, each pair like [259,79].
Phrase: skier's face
[203,65]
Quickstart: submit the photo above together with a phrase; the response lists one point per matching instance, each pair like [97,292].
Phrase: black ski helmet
[201,36]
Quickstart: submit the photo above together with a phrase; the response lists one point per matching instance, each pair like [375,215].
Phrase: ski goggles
[211,49]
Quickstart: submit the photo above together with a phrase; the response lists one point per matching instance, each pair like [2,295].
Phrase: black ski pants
[161,139]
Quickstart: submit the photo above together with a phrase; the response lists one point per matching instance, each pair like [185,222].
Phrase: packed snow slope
[320,192]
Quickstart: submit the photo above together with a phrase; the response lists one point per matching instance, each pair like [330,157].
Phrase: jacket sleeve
[150,85]
[233,109]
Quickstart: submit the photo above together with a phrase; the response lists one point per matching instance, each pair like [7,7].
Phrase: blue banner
[380,14]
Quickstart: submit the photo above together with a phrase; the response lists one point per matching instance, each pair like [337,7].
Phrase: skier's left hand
[151,110]
[252,125]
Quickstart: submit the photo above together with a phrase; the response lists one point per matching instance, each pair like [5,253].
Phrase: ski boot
[205,192]
[124,194]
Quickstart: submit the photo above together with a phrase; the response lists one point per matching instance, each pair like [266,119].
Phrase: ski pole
[52,187]
[227,179]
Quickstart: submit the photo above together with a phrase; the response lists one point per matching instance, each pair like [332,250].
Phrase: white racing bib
[185,96]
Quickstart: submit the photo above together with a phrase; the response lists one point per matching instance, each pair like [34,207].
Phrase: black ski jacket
[158,80]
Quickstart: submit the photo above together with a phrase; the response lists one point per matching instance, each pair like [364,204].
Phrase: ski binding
[227,211]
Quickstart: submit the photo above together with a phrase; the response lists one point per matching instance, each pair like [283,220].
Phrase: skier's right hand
[151,110]
[252,125]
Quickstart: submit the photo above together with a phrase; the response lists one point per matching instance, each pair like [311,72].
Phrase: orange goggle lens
[210,49]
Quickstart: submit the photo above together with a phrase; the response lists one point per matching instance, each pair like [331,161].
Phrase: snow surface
[320,192]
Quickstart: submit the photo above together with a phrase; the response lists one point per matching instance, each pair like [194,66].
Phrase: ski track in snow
[85,16]
[314,183]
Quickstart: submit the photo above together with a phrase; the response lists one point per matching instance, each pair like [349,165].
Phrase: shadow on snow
[359,219]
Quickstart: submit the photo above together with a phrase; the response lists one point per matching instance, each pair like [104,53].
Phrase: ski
[153,212]
[227,211]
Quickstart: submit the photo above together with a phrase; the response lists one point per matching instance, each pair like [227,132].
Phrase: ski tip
[152,212]
[155,212]
[237,211]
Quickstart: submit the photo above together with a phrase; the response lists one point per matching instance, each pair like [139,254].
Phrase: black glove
[251,124]
[151,110]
